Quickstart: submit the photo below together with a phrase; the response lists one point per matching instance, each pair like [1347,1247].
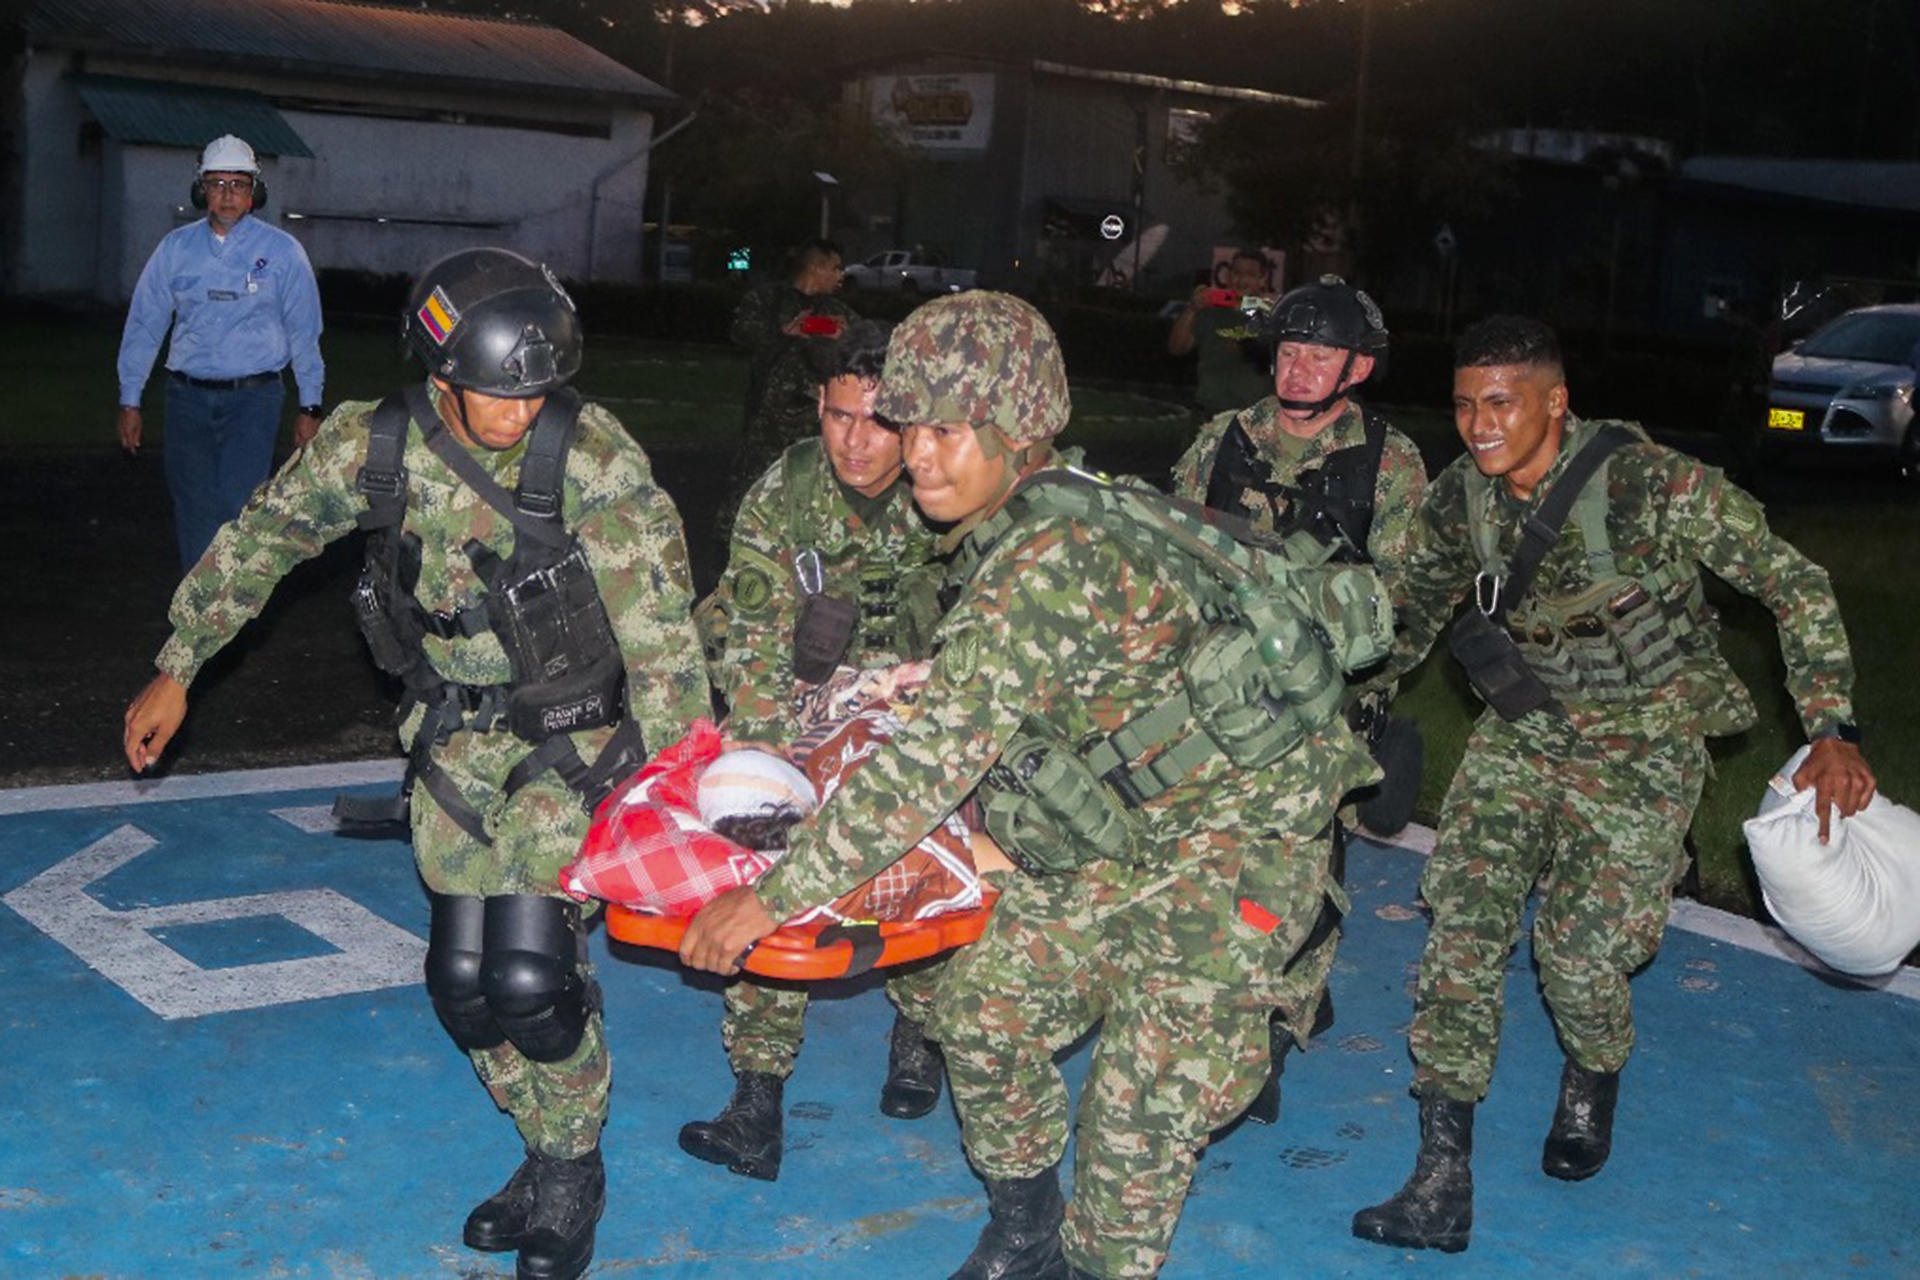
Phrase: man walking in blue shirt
[242,302]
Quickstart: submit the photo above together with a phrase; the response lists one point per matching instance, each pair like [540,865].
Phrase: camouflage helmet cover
[983,358]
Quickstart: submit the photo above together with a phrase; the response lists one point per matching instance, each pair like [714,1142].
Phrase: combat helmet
[983,358]
[1328,313]
[491,321]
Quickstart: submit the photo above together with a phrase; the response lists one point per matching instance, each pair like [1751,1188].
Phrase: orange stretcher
[825,949]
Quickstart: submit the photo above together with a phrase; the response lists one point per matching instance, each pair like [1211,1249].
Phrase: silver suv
[1846,390]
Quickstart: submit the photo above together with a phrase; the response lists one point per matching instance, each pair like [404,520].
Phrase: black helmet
[489,320]
[1329,313]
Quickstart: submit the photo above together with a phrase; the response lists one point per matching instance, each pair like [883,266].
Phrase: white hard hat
[228,154]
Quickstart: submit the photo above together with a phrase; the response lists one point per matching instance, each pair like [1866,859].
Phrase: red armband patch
[1258,916]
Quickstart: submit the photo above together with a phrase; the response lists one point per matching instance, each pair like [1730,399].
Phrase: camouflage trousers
[558,1107]
[1181,987]
[1600,823]
[766,1021]
[1303,984]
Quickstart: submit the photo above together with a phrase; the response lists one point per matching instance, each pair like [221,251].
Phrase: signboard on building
[935,112]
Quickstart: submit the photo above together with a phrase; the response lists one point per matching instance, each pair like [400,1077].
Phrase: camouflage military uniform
[1059,625]
[1597,794]
[1396,495]
[866,548]
[633,540]
[781,387]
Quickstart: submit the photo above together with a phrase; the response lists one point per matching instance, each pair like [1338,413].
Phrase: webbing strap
[625,751]
[547,531]
[382,477]
[451,802]
[1542,528]
[868,945]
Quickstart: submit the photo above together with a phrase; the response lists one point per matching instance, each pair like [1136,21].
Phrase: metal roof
[344,38]
[1869,184]
[179,115]
[1198,88]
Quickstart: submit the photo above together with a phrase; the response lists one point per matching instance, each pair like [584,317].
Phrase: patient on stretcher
[700,818]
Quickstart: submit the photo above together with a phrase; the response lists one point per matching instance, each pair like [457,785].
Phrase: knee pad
[454,940]
[530,973]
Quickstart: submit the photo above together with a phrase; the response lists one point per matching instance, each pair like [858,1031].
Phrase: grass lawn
[677,397]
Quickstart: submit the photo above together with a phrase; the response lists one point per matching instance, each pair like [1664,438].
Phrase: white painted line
[368,953]
[312,819]
[1722,926]
[99,795]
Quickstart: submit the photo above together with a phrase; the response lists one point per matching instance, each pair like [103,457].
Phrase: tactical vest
[1282,624]
[1619,635]
[1332,501]
[896,605]
[541,603]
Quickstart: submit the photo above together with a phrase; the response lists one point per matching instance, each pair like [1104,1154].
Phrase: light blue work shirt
[241,305]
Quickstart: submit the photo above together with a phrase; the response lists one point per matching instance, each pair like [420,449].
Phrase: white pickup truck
[909,271]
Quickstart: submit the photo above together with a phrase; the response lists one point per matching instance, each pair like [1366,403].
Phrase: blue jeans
[218,447]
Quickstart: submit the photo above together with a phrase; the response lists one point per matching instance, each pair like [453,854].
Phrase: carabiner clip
[807,570]
[1486,591]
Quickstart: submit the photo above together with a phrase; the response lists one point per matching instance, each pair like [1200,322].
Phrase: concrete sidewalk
[219,1063]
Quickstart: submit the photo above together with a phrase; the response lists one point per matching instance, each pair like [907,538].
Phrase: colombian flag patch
[437,315]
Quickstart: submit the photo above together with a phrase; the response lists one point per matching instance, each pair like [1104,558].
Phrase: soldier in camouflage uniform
[778,323]
[494,817]
[1309,456]
[831,564]
[1593,788]
[1064,636]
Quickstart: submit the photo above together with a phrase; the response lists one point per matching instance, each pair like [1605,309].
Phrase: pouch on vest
[822,635]
[1495,667]
[1227,684]
[383,603]
[567,672]
[1049,811]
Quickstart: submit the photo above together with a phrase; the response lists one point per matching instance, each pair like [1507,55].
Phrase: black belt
[225,384]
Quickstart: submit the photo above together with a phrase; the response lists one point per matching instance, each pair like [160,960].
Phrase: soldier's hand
[152,718]
[720,936]
[1840,778]
[305,425]
[128,426]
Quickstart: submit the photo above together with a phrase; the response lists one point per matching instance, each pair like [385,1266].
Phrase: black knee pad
[530,973]
[454,938]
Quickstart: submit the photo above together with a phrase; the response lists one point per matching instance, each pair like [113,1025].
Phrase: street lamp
[827,182]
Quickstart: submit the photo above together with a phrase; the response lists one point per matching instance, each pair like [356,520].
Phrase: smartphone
[820,327]
[1221,298]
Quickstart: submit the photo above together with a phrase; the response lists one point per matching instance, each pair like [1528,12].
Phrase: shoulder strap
[1542,529]
[543,469]
[542,530]
[382,478]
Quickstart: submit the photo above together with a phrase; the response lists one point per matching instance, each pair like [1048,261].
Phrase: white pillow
[740,783]
[1853,902]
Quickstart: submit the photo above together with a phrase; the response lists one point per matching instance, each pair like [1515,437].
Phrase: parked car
[909,271]
[1846,391]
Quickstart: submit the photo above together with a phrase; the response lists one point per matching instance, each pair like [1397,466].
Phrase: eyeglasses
[242,185]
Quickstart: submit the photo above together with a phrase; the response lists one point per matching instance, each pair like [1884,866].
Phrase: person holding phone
[778,323]
[1220,324]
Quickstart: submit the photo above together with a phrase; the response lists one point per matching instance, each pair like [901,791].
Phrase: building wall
[380,194]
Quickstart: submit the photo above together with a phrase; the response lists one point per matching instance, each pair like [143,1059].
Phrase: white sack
[1853,902]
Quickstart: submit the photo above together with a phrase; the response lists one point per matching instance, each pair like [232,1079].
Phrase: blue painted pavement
[218,1062]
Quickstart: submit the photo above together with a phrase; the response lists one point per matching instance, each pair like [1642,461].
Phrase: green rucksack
[1284,623]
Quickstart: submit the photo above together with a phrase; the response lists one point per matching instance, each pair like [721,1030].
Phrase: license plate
[1787,419]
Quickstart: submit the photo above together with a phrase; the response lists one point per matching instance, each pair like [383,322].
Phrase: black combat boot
[1265,1108]
[1435,1209]
[569,1196]
[1582,1132]
[915,1067]
[1021,1240]
[747,1134]
[498,1222]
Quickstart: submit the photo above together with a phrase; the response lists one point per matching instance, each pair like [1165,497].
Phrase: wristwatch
[311,410]
[1844,730]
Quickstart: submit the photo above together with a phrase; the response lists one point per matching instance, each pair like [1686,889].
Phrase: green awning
[178,115]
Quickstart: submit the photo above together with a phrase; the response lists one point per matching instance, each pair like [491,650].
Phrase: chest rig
[893,606]
[1332,501]
[1600,634]
[540,602]
[1281,624]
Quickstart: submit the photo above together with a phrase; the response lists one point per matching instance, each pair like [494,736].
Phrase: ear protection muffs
[197,194]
